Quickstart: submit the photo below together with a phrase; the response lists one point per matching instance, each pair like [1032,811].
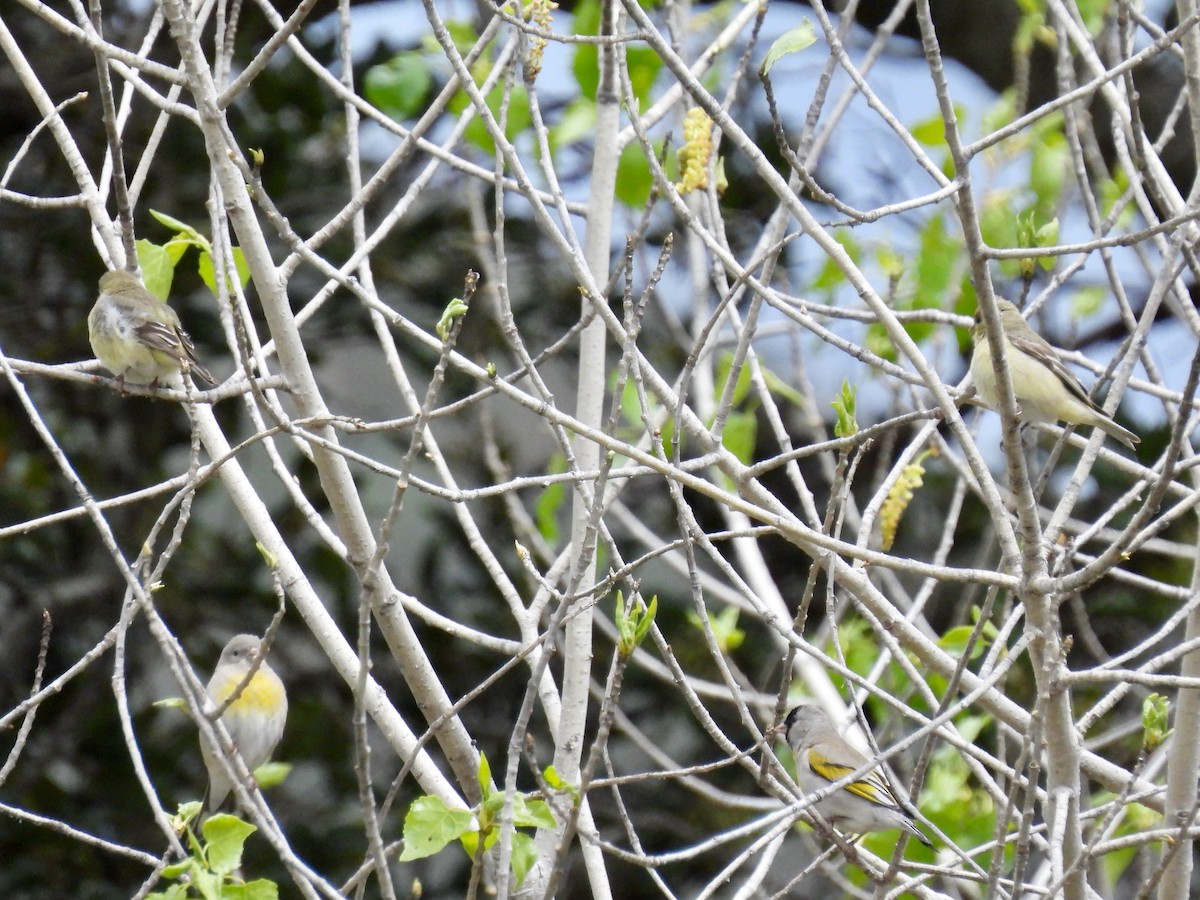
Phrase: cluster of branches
[637,429]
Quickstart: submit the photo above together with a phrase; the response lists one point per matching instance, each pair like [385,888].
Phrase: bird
[823,758]
[254,720]
[1044,388]
[136,336]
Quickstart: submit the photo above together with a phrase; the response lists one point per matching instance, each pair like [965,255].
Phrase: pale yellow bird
[1045,389]
[138,337]
[254,720]
[824,758]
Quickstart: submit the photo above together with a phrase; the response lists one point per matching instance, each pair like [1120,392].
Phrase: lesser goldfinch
[823,758]
[1045,389]
[138,337]
[254,720]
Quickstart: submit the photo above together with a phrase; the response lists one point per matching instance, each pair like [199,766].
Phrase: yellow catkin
[897,501]
[539,13]
[696,151]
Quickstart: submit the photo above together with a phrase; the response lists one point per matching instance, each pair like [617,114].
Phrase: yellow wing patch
[870,787]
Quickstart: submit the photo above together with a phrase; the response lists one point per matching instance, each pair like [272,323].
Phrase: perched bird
[138,337]
[1045,389]
[823,758]
[254,720]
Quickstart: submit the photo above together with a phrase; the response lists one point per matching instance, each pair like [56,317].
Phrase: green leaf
[519,118]
[577,123]
[470,840]
[946,785]
[1135,819]
[586,65]
[950,790]
[272,773]
[208,884]
[643,65]
[937,263]
[879,342]
[183,228]
[269,558]
[260,889]
[859,645]
[955,641]
[554,779]
[645,621]
[1031,29]
[1088,300]
[524,855]
[484,774]
[208,272]
[740,435]
[931,132]
[1025,229]
[631,404]
[1049,170]
[454,309]
[532,813]
[634,179]
[1030,235]
[189,810]
[998,221]
[174,892]
[724,628]
[464,34]
[225,836]
[831,274]
[548,504]
[621,618]
[177,869]
[158,269]
[493,802]
[966,305]
[843,404]
[633,622]
[744,380]
[177,246]
[729,636]
[781,388]
[1094,13]
[970,727]
[430,825]
[170,703]
[1156,725]
[1047,235]
[399,86]
[891,262]
[793,40]
[1111,191]
[1002,112]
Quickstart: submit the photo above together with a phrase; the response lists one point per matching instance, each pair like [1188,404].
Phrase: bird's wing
[163,337]
[172,339]
[871,787]
[1035,346]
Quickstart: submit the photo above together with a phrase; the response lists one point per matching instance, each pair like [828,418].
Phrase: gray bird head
[805,723]
[1007,314]
[242,648]
[118,281]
